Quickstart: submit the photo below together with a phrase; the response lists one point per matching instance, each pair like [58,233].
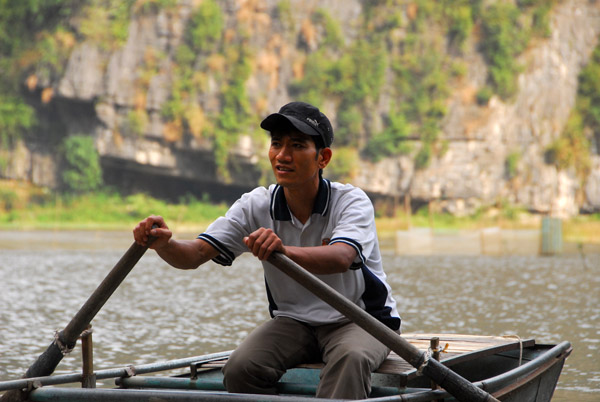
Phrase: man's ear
[324,157]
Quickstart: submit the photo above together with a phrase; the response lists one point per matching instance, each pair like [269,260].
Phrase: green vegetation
[504,39]
[352,74]
[344,165]
[403,56]
[106,22]
[204,53]
[419,63]
[36,40]
[285,14]
[137,121]
[26,207]
[573,148]
[205,27]
[103,210]
[460,26]
[512,163]
[15,117]
[415,43]
[580,229]
[82,173]
[588,101]
[391,140]
[30,37]
[235,113]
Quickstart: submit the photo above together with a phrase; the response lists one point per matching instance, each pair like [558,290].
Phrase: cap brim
[277,120]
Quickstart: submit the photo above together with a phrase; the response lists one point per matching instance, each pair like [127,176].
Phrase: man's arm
[182,254]
[331,259]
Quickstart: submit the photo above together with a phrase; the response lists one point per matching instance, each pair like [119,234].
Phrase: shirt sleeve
[226,234]
[355,225]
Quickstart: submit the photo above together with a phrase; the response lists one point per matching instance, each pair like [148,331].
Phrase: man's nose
[285,153]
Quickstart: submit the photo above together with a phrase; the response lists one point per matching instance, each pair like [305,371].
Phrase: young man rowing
[327,228]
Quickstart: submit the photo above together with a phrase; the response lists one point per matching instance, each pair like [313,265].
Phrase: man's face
[294,159]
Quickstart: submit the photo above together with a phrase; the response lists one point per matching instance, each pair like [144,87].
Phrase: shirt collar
[279,208]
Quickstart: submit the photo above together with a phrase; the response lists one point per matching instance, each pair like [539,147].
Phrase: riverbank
[24,207]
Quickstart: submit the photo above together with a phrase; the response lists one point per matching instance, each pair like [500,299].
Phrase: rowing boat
[509,368]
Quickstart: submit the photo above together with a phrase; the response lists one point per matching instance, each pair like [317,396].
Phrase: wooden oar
[66,339]
[456,385]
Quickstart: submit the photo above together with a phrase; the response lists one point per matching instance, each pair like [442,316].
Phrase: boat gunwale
[68,378]
[498,385]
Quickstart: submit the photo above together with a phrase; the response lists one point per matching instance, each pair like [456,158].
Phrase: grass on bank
[580,229]
[39,209]
[23,207]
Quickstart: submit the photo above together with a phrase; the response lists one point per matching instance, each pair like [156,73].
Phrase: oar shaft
[456,385]
[103,292]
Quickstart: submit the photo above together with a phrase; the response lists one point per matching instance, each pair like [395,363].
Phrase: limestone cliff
[102,89]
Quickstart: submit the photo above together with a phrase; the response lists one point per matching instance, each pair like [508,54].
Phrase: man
[328,229]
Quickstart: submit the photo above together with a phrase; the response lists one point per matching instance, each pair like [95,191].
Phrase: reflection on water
[161,313]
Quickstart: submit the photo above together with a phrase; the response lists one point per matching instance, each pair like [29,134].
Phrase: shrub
[391,140]
[511,164]
[461,24]
[206,27]
[588,102]
[15,116]
[423,157]
[504,39]
[83,172]
[484,95]
[8,199]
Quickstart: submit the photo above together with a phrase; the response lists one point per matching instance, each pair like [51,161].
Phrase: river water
[160,313]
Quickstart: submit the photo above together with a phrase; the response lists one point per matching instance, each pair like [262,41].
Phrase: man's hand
[143,231]
[263,242]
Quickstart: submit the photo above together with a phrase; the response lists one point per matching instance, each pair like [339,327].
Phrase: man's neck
[301,200]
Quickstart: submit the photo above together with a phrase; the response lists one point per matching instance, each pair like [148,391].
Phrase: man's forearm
[323,260]
[186,254]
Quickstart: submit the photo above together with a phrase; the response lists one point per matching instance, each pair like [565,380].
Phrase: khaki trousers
[350,355]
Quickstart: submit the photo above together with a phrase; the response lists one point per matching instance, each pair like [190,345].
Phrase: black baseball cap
[306,118]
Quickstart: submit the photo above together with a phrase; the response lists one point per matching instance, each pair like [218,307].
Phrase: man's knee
[246,376]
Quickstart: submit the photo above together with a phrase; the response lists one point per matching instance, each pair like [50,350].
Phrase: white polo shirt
[342,213]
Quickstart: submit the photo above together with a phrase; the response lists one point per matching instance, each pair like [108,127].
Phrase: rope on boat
[426,357]
[130,371]
[428,354]
[64,349]
[86,332]
[520,345]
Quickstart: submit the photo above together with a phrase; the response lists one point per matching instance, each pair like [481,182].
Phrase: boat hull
[529,375]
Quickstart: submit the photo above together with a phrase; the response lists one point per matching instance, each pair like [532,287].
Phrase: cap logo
[312,121]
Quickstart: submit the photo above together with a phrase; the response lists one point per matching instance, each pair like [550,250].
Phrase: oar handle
[456,385]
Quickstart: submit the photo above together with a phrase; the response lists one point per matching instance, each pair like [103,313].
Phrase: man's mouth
[284,169]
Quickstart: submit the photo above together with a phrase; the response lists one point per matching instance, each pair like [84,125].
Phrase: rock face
[100,89]
[472,172]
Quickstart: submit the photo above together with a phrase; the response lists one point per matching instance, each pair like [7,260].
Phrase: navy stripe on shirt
[357,247]
[225,256]
[375,297]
